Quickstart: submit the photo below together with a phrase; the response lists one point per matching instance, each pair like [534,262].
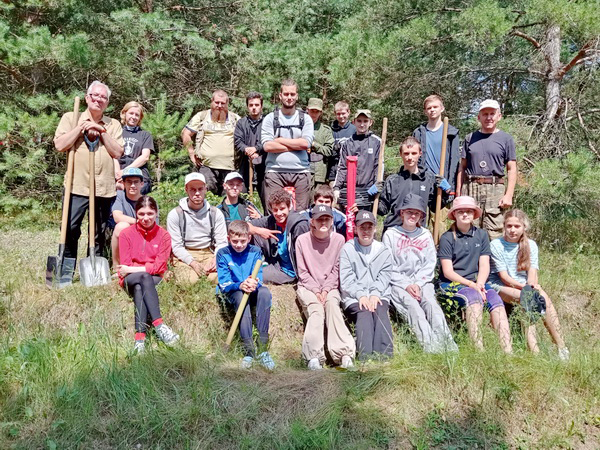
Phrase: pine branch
[533,42]
[581,54]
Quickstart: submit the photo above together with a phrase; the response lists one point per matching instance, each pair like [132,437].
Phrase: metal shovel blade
[59,273]
[94,271]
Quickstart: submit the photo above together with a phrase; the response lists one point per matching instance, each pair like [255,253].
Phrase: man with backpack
[197,232]
[212,130]
[287,135]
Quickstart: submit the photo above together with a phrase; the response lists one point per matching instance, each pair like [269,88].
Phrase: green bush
[562,198]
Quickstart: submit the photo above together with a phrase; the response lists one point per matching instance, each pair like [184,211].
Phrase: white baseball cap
[489,104]
[194,176]
[233,176]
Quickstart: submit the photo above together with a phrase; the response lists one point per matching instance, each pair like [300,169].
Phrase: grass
[67,379]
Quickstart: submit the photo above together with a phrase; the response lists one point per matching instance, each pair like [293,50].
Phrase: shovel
[93,270]
[59,270]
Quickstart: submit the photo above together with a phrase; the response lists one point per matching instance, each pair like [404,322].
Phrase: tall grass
[68,380]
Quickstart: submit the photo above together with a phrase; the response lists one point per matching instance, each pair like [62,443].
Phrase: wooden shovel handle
[69,178]
[240,310]
[380,163]
[438,199]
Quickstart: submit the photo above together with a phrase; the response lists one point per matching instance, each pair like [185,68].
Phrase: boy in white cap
[233,206]
[197,232]
[485,155]
[413,292]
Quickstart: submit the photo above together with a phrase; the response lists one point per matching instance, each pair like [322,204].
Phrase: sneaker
[166,335]
[347,362]
[314,364]
[266,361]
[139,347]
[564,354]
[246,362]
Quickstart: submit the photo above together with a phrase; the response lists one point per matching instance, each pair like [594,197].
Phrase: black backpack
[211,218]
[277,126]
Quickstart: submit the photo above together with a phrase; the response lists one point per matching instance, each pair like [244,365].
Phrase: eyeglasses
[96,96]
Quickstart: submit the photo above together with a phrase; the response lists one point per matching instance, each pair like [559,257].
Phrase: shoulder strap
[276,124]
[182,223]
[212,217]
[301,116]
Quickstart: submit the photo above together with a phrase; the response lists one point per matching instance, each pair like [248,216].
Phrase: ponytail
[524,254]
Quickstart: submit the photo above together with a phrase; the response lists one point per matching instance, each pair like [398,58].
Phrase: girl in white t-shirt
[514,266]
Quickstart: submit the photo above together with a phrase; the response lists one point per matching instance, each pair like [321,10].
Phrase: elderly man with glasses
[92,124]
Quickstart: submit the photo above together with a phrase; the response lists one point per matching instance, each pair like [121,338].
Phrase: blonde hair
[432,98]
[524,254]
[127,107]
[341,105]
[238,228]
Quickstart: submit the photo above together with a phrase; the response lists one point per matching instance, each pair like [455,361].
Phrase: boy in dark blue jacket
[234,269]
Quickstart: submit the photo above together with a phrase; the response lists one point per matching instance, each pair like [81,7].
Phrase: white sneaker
[165,334]
[246,362]
[564,354]
[347,362]
[314,364]
[266,361]
[139,347]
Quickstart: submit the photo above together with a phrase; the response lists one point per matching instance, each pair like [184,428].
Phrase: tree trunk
[551,50]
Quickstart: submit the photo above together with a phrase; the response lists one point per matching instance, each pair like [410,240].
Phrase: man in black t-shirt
[485,155]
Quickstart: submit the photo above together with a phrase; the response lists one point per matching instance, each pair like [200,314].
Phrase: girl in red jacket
[145,249]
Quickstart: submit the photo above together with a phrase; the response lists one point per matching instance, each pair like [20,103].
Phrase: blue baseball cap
[132,172]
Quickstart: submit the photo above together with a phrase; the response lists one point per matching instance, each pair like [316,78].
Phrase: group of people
[293,158]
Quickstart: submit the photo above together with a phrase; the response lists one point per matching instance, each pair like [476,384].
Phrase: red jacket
[149,248]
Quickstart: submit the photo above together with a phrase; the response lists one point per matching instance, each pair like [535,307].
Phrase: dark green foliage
[387,57]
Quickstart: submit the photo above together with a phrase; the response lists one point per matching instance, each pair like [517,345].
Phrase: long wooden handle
[251,178]
[69,178]
[92,199]
[240,310]
[438,199]
[380,163]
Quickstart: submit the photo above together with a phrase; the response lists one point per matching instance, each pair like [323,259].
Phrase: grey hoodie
[413,254]
[197,230]
[364,275]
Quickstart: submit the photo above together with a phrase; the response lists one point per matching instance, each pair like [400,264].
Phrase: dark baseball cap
[321,210]
[413,201]
[365,216]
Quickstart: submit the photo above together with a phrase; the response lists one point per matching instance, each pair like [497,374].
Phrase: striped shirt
[504,259]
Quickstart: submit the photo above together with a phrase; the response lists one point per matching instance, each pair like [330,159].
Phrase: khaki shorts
[185,274]
[488,197]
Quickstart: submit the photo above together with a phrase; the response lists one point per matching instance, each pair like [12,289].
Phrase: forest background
[539,58]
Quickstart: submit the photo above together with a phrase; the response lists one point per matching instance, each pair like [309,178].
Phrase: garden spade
[59,270]
[93,270]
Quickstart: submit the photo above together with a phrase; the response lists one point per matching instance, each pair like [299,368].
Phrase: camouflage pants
[488,198]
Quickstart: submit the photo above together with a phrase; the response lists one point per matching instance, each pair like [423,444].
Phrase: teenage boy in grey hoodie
[365,273]
[413,293]
[197,232]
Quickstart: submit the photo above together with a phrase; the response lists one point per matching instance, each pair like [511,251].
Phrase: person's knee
[493,299]
[137,290]
[264,298]
[118,228]
[470,296]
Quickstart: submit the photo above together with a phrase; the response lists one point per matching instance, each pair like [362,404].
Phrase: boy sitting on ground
[324,196]
[317,254]
[413,292]
[410,179]
[234,269]
[233,206]
[276,236]
[365,272]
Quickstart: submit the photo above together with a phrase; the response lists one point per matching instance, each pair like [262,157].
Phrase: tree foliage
[539,58]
